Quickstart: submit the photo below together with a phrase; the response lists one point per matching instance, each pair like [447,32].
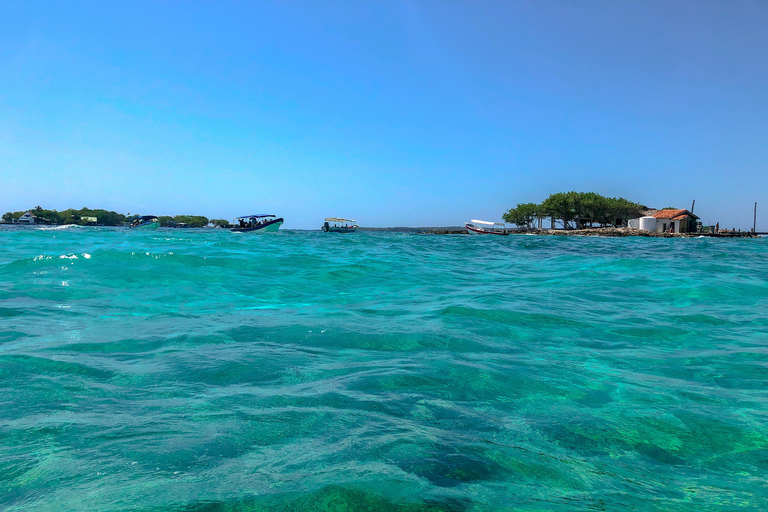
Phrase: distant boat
[483,227]
[145,222]
[262,223]
[337,225]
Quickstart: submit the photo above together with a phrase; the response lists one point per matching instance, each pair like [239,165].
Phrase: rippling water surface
[202,370]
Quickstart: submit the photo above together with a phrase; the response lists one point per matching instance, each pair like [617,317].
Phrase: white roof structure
[337,219]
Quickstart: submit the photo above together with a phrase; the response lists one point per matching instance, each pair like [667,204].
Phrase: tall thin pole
[692,205]
[754,221]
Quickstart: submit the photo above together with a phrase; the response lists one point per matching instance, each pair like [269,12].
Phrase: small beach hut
[675,221]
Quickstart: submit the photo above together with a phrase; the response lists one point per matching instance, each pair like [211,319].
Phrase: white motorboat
[484,227]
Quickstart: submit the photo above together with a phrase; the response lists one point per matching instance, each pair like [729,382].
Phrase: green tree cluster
[71,216]
[194,221]
[104,217]
[575,209]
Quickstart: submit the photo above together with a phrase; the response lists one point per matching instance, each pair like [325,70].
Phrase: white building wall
[26,219]
[648,223]
[660,223]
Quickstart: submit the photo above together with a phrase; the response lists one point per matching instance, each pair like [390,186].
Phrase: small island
[100,217]
[591,214]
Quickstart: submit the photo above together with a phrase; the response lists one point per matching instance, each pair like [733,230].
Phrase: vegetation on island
[85,216]
[575,210]
[71,216]
[193,221]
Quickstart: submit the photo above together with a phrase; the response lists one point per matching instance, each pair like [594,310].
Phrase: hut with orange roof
[675,221]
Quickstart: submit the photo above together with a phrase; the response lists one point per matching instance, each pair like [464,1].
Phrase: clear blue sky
[393,113]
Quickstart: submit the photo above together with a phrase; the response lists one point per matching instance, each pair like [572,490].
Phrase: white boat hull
[473,229]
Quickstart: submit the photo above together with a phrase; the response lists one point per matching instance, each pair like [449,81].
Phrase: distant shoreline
[624,232]
[607,232]
[452,230]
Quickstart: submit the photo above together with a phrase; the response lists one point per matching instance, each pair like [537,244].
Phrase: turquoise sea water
[201,370]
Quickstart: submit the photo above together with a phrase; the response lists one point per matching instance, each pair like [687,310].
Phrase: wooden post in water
[754,219]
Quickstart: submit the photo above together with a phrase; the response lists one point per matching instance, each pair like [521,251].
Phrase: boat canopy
[338,219]
[486,223]
[144,217]
[257,216]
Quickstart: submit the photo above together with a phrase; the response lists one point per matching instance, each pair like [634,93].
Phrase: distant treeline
[107,218]
[414,230]
[193,221]
[71,216]
[574,210]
